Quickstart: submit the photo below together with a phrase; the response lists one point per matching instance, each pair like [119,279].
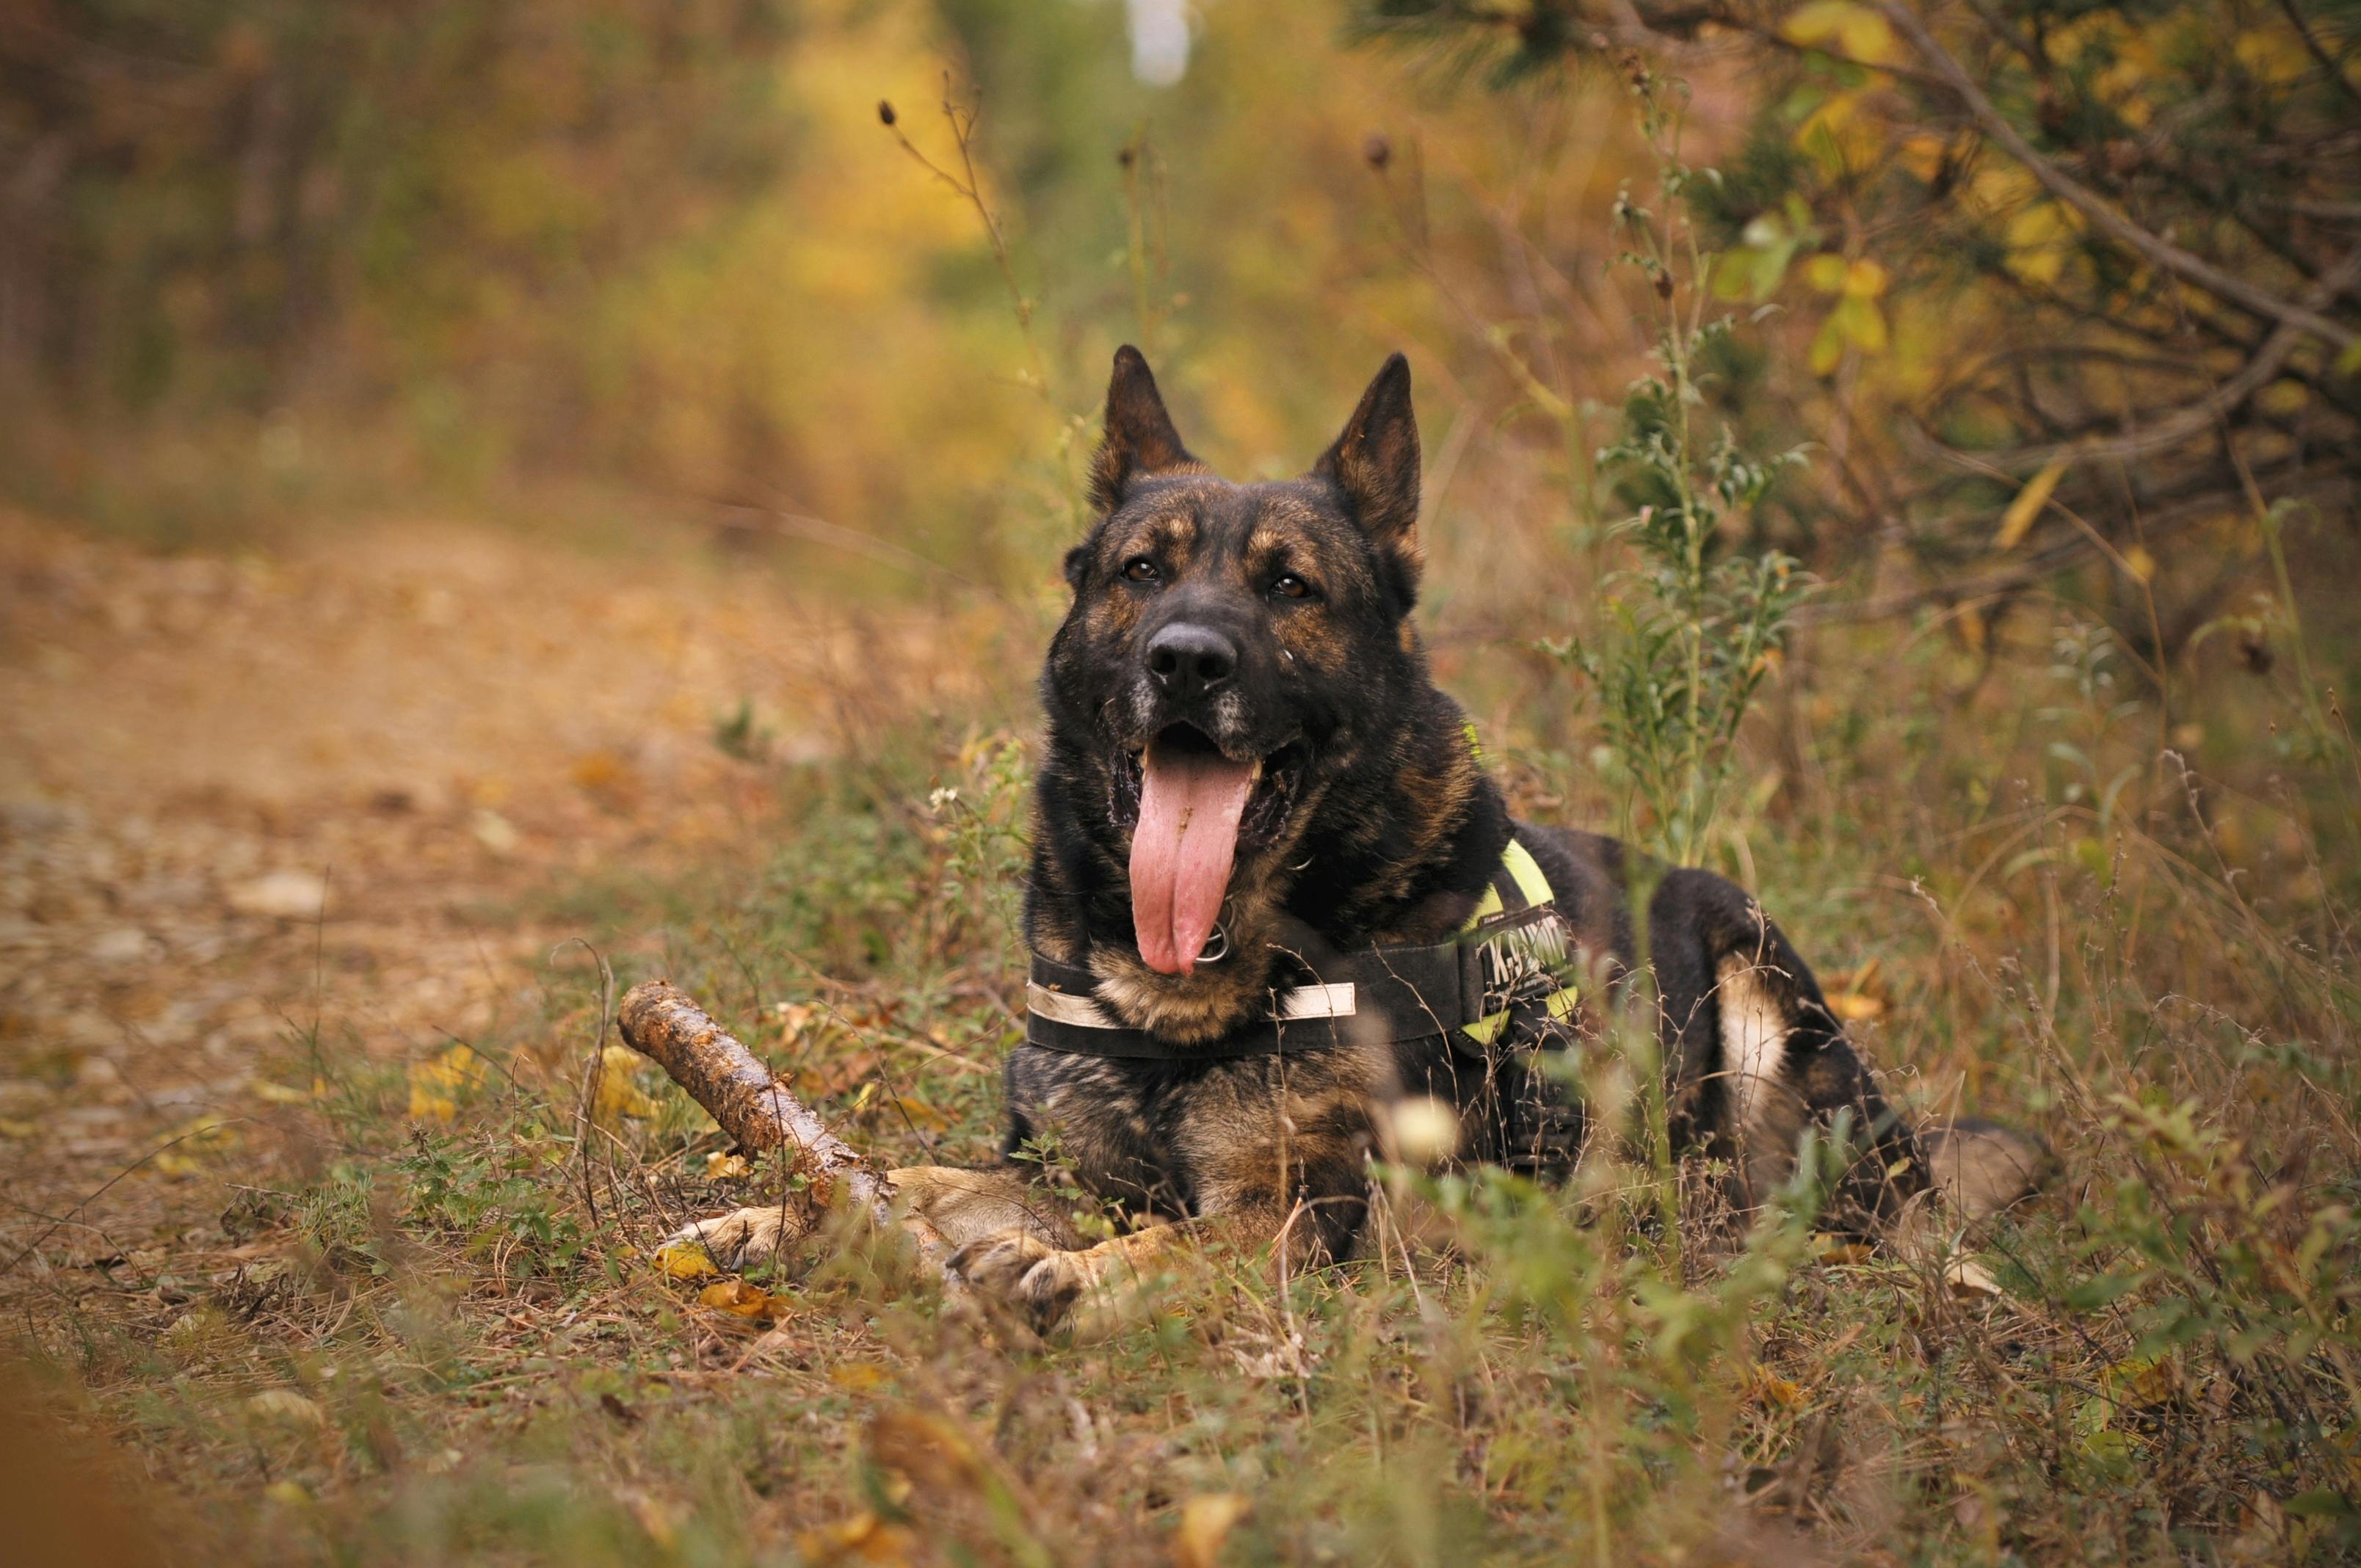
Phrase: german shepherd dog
[1250,787]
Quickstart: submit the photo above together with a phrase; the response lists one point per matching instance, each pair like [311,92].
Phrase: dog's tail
[1981,1167]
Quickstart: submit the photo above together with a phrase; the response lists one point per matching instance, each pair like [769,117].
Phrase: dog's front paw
[1016,1268]
[739,1240]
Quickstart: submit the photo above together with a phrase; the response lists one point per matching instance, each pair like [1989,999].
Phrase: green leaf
[2094,1293]
[2321,1504]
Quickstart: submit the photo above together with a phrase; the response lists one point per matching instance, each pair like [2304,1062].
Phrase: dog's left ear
[1375,461]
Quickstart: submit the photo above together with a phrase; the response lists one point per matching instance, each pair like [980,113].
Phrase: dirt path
[240,794]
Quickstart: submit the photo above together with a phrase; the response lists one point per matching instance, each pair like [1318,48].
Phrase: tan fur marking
[1766,1116]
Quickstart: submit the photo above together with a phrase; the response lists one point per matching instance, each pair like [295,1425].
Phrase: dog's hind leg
[1981,1167]
[1754,1055]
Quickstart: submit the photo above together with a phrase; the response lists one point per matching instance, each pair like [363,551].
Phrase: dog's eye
[1140,569]
[1291,587]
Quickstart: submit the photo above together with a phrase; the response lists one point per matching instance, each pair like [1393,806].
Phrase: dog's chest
[1182,1138]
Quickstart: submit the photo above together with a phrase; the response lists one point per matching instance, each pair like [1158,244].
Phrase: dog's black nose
[1192,661]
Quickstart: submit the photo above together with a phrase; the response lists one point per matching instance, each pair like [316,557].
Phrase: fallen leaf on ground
[720,1166]
[1966,1277]
[684,1260]
[1777,1390]
[2141,1383]
[287,1408]
[864,1538]
[436,1087]
[1206,1522]
[619,1094]
[1830,1248]
[740,1299]
[189,1142]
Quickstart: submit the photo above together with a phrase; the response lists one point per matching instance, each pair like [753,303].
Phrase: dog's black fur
[1374,824]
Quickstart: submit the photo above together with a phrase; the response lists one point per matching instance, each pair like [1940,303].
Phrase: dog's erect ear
[1139,435]
[1375,462]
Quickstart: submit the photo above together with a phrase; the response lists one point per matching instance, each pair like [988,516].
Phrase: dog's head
[1234,656]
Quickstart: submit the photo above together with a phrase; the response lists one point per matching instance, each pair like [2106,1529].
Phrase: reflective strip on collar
[1316,1001]
[1295,1004]
[1056,1005]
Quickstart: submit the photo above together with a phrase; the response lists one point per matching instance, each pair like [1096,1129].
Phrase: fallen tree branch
[661,1022]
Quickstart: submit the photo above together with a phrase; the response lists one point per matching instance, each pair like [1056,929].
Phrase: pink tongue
[1189,803]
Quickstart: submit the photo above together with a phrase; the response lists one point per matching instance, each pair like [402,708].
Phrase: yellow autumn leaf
[2140,563]
[1854,1008]
[1864,278]
[2018,517]
[1826,272]
[1774,1389]
[1839,26]
[2141,1383]
[279,1094]
[1840,137]
[619,1094]
[1827,349]
[684,1260]
[720,1167]
[187,1143]
[1861,322]
[1206,1520]
[1866,35]
[1922,153]
[856,1375]
[2274,55]
[439,1086]
[2286,396]
[2040,239]
[863,1538]
[740,1299]
[1834,1249]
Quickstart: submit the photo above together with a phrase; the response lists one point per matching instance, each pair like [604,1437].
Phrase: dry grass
[359,1331]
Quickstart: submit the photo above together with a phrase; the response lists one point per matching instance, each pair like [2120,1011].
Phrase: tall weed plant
[1695,624]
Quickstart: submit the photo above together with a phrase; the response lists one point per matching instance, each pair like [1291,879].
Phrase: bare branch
[2191,420]
[2102,213]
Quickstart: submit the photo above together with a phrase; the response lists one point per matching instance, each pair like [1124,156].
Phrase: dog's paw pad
[999,1262]
[1020,1270]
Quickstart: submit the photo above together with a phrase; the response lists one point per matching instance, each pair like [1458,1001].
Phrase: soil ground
[242,795]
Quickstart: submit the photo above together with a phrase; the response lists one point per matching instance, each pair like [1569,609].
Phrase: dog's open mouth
[1192,807]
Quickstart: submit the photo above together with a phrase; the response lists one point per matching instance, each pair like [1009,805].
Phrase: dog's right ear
[1140,437]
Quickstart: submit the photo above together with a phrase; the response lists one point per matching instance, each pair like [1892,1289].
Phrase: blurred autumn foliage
[2069,282]
[2051,284]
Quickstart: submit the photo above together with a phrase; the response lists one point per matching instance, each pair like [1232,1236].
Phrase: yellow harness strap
[1534,945]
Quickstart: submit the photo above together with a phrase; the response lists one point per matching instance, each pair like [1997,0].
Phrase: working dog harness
[1513,958]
